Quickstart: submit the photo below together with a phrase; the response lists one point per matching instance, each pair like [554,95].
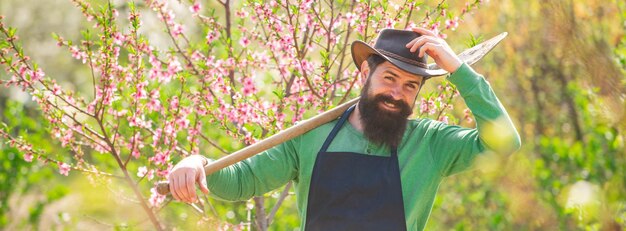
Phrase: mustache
[389,99]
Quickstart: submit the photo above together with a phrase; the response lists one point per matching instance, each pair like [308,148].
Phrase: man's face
[395,84]
[386,102]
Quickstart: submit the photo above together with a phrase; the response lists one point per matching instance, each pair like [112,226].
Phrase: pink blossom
[467,115]
[390,22]
[64,168]
[261,58]
[444,119]
[350,18]
[154,104]
[305,66]
[202,111]
[37,75]
[155,198]
[91,108]
[173,68]
[177,30]
[135,121]
[195,8]
[154,61]
[100,147]
[22,71]
[174,103]
[435,28]
[142,171]
[360,28]
[56,89]
[67,137]
[164,172]
[135,16]
[12,81]
[248,139]
[160,158]
[135,143]
[108,96]
[28,157]
[452,23]
[212,36]
[248,87]
[150,174]
[99,93]
[167,17]
[116,53]
[183,123]
[196,56]
[423,106]
[244,42]
[136,153]
[154,73]
[118,38]
[242,14]
[156,137]
[305,5]
[169,129]
[140,91]
[78,54]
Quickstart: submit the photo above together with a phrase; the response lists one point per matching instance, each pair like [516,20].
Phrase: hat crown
[392,42]
[391,46]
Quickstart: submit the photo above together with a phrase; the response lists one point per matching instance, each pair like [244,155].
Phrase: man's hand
[436,48]
[185,175]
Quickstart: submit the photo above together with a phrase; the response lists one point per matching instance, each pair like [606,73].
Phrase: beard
[381,126]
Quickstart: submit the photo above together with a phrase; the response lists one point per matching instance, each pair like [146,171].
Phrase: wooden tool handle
[300,128]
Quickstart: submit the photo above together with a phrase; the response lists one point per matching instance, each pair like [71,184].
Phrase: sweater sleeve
[453,147]
[257,175]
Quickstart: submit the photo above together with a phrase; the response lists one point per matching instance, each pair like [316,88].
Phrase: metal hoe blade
[472,55]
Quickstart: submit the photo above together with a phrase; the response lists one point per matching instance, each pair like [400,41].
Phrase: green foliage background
[560,74]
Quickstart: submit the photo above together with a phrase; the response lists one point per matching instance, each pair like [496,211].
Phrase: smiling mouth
[389,105]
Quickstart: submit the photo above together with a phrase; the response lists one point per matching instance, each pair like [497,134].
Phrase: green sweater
[430,150]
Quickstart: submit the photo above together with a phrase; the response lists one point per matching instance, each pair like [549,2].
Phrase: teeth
[390,104]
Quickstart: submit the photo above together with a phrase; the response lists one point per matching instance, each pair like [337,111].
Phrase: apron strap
[337,127]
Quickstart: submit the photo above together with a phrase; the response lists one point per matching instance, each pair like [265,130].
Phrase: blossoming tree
[239,70]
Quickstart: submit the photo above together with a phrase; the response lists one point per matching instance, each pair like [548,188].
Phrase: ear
[365,71]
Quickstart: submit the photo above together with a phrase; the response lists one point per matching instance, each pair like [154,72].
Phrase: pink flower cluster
[64,169]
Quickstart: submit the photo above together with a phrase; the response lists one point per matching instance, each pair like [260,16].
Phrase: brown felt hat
[391,45]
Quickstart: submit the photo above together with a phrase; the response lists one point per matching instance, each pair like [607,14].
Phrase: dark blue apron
[352,191]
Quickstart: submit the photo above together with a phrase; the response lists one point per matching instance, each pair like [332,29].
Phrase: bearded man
[378,171]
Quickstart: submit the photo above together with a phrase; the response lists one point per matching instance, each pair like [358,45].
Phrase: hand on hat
[436,48]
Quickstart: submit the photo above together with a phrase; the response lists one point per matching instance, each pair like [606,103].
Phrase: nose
[396,92]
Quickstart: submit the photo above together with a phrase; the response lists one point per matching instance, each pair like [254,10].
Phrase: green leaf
[11,31]
[473,41]
[86,34]
[279,94]
[4,44]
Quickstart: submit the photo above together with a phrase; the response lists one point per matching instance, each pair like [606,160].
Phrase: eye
[412,86]
[388,78]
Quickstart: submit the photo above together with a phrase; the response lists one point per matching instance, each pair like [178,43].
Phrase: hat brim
[361,51]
